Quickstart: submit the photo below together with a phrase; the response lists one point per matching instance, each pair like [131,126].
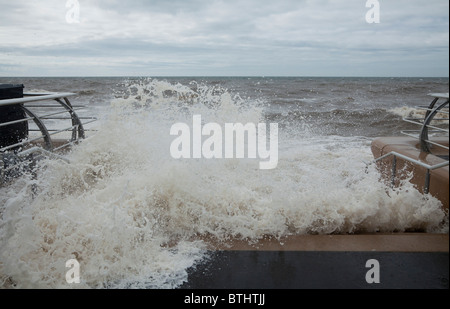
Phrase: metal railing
[429,168]
[422,134]
[436,107]
[43,110]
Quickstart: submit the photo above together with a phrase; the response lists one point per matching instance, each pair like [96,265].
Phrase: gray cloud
[286,37]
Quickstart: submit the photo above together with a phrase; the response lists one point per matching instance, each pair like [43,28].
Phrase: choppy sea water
[133,216]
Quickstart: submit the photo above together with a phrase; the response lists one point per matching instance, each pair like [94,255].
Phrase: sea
[134,216]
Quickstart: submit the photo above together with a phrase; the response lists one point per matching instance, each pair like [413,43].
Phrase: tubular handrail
[42,115]
[420,163]
[432,110]
[428,118]
[77,128]
[428,167]
[34,97]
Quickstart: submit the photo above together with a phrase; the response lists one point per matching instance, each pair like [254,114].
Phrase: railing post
[42,127]
[426,188]
[76,122]
[2,166]
[394,171]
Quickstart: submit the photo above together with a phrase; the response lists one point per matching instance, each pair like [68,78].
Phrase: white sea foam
[412,112]
[132,215]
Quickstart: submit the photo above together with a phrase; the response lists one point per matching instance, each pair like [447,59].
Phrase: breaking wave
[135,217]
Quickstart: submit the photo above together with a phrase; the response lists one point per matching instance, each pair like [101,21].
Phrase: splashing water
[135,217]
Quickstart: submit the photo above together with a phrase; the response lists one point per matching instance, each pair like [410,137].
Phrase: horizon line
[217,76]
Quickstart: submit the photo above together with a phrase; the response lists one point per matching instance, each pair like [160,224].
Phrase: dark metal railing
[40,109]
[423,135]
[436,107]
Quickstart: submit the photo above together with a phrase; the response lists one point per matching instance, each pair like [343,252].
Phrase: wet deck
[404,261]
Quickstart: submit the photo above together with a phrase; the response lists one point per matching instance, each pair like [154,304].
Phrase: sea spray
[133,216]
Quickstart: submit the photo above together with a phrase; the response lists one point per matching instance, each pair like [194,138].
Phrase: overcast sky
[229,37]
